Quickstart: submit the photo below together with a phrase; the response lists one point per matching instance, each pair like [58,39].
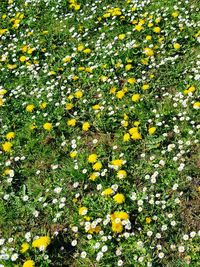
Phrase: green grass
[44,188]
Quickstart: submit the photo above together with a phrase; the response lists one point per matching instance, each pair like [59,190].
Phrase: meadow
[99,133]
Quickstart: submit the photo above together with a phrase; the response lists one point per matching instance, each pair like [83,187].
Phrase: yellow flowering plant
[99,133]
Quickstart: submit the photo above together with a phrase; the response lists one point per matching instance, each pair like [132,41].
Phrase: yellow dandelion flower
[148,52]
[138,27]
[97,166]
[158,20]
[87,51]
[47,126]
[81,68]
[24,247]
[30,108]
[128,67]
[121,36]
[175,14]
[117,162]
[32,127]
[148,220]
[71,122]
[29,263]
[69,106]
[80,48]
[30,51]
[133,130]
[70,97]
[93,176]
[120,94]
[150,24]
[121,174]
[141,21]
[196,105]
[145,61]
[22,59]
[43,105]
[148,37]
[7,146]
[3,31]
[52,72]
[124,123]
[78,94]
[136,136]
[113,90]
[126,137]
[10,135]
[122,215]
[135,97]
[67,59]
[86,126]
[157,29]
[1,101]
[88,70]
[96,107]
[145,86]
[191,89]
[107,192]
[152,130]
[41,242]
[177,46]
[125,116]
[87,218]
[118,64]
[77,7]
[92,158]
[125,89]
[75,78]
[136,123]
[7,171]
[106,15]
[131,80]
[117,227]
[103,78]
[82,211]
[119,198]
[73,154]
[3,92]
